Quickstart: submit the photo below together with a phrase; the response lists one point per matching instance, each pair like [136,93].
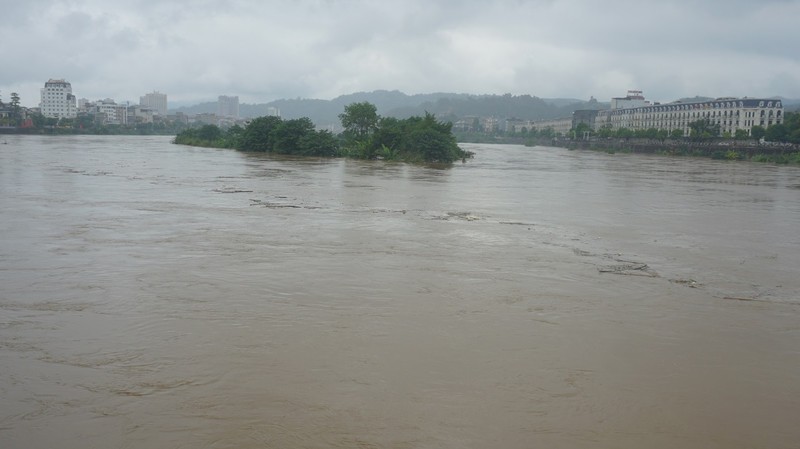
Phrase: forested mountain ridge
[447,106]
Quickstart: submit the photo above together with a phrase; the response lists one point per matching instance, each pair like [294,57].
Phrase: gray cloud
[263,50]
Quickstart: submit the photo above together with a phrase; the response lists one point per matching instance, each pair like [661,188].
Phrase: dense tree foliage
[365,136]
[267,134]
[419,139]
[16,115]
[359,120]
[259,134]
[703,130]
[788,131]
[757,132]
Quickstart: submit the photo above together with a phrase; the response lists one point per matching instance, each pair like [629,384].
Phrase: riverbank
[778,153]
[110,130]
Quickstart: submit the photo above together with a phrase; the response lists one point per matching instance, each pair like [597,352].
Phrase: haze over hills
[448,106]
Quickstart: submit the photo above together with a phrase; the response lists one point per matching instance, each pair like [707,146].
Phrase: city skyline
[265,51]
[164,107]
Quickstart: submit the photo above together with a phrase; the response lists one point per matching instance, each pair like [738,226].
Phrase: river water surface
[163,296]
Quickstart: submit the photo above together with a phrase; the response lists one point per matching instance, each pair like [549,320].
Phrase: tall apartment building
[155,101]
[57,99]
[227,106]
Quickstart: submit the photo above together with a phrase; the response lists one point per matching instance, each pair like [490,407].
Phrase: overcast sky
[195,50]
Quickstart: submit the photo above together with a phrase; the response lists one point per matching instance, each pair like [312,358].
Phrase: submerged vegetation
[366,136]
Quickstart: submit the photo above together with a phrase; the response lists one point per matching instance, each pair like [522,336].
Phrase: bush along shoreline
[778,153]
[779,143]
[366,136]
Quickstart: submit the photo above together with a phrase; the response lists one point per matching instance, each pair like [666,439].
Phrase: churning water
[163,296]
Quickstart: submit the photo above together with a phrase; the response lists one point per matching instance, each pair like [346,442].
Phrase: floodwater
[163,296]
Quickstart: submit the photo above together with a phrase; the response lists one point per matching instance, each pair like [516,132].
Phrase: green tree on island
[359,120]
[258,135]
[366,136]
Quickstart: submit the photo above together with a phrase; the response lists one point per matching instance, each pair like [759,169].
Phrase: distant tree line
[366,136]
[267,134]
[445,106]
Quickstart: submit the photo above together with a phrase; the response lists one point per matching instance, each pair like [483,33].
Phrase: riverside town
[744,127]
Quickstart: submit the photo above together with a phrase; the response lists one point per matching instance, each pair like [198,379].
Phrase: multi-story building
[228,107]
[139,114]
[490,124]
[57,99]
[634,99]
[206,118]
[467,123]
[730,114]
[560,126]
[106,112]
[155,101]
[515,125]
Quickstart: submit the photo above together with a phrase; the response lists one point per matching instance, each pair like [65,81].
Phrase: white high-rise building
[155,101]
[57,99]
[228,106]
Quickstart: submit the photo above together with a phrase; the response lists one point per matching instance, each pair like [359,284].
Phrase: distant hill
[695,99]
[790,104]
[447,106]
[524,107]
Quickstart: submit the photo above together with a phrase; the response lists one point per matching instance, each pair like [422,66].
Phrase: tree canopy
[421,139]
[267,134]
[359,120]
[366,136]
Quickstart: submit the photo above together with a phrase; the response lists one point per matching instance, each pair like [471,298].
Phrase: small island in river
[366,136]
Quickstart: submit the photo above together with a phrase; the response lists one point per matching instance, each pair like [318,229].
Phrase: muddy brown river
[163,296]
